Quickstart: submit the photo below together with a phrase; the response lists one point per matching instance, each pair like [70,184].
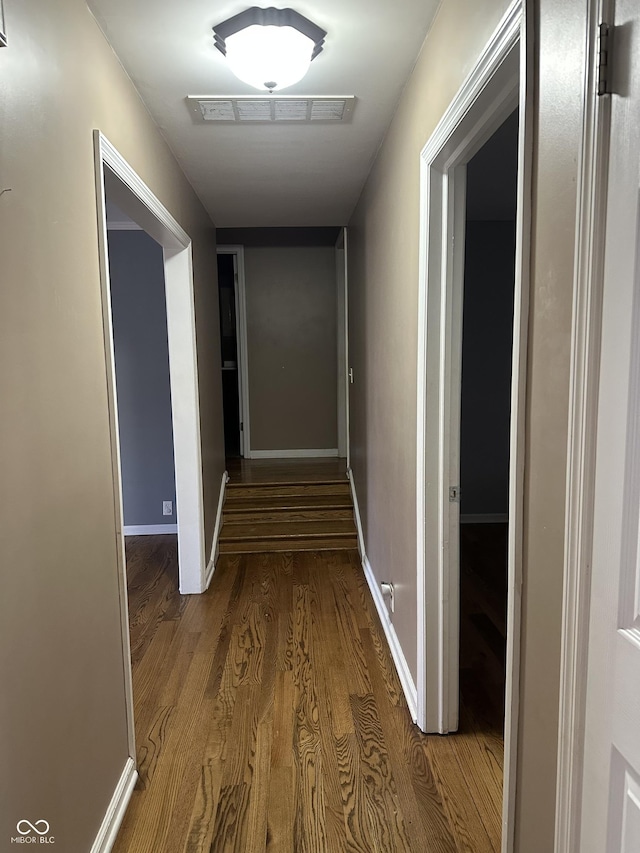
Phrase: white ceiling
[270,174]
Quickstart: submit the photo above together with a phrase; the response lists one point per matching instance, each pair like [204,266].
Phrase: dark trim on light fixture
[270,17]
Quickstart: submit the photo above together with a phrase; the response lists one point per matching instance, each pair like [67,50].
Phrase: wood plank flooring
[285,470]
[483,619]
[269,717]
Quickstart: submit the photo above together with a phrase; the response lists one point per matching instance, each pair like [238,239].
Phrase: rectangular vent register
[250,109]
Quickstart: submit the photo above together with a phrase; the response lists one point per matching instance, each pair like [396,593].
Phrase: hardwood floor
[483,621]
[285,470]
[269,717]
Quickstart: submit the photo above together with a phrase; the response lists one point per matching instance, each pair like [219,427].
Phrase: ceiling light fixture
[269,49]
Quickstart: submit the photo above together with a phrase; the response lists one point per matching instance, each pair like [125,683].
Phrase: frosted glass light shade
[269,58]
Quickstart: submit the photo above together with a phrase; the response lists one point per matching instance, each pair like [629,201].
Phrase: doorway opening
[229,355]
[116,180]
[494,89]
[141,352]
[485,403]
[233,355]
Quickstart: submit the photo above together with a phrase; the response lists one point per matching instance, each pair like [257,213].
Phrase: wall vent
[248,109]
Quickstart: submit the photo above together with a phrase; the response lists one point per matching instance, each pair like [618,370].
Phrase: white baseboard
[293,454]
[402,667]
[149,529]
[484,518]
[356,509]
[117,807]
[215,545]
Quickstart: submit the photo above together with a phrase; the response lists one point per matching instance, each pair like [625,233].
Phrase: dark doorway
[227,282]
[487,347]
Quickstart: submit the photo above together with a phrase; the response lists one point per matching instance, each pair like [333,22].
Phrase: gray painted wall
[142,377]
[292,347]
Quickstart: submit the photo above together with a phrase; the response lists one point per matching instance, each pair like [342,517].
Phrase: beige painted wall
[292,347]
[383,295]
[62,717]
[383,246]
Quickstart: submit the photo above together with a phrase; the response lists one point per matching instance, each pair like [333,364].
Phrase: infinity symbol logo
[32,827]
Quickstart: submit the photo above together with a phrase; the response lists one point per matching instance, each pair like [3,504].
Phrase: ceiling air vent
[249,109]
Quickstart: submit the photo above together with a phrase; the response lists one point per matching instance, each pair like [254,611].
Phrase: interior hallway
[269,716]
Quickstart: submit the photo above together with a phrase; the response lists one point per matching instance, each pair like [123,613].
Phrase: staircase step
[269,514]
[238,532]
[306,515]
[244,491]
[238,503]
[259,546]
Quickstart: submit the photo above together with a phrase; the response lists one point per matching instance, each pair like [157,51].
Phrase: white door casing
[610,813]
[583,404]
[490,94]
[495,87]
[343,344]
[115,177]
[134,197]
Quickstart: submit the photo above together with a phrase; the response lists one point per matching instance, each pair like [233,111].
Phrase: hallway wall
[63,724]
[383,305]
[292,347]
[383,297]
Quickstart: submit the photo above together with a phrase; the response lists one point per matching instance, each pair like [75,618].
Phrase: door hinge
[454,494]
[241,427]
[604,59]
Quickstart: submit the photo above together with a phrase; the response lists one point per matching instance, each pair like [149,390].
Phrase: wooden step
[287,530]
[238,503]
[293,516]
[270,546]
[245,491]
[268,514]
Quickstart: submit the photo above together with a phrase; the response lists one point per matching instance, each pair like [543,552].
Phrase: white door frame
[583,411]
[241,332]
[494,88]
[134,197]
[342,281]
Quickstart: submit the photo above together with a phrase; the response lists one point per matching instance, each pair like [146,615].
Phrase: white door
[610,817]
